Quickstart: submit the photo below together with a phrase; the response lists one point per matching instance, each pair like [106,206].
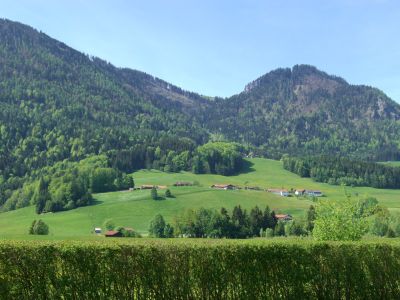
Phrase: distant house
[299,192]
[97,230]
[224,186]
[113,233]
[284,193]
[280,192]
[253,188]
[283,217]
[314,193]
[150,186]
[147,186]
[183,183]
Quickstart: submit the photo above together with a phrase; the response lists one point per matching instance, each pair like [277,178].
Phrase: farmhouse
[253,188]
[283,217]
[150,186]
[183,183]
[113,233]
[314,193]
[283,193]
[224,186]
[299,192]
[147,186]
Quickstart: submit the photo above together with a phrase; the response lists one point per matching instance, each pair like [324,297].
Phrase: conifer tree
[154,194]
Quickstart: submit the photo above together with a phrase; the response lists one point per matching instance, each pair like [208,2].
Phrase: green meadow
[136,208]
[392,163]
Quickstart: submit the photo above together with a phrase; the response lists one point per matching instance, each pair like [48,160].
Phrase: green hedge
[199,270]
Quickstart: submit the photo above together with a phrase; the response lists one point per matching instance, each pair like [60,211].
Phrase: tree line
[344,171]
[239,224]
[173,154]
[341,220]
[68,184]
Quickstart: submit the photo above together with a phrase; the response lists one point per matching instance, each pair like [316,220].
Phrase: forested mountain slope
[57,103]
[303,111]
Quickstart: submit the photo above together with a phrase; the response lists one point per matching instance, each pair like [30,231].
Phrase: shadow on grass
[246,168]
[96,202]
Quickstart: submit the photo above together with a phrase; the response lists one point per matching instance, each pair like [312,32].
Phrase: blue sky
[216,47]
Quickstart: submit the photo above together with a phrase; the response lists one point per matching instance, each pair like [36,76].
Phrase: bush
[296,229]
[168,193]
[344,220]
[109,224]
[129,233]
[153,269]
[280,229]
[39,227]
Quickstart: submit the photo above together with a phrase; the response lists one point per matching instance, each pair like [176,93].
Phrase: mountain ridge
[298,111]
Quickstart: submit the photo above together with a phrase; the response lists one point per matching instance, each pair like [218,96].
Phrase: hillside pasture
[136,208]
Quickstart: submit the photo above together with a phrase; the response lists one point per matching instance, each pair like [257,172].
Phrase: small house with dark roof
[224,186]
[314,193]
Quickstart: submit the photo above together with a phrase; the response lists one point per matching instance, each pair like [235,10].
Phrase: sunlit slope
[136,209]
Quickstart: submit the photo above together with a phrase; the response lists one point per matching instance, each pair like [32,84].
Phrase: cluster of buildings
[280,192]
[298,192]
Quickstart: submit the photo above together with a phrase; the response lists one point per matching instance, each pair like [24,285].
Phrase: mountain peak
[301,74]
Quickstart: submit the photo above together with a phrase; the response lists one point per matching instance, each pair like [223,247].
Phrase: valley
[136,208]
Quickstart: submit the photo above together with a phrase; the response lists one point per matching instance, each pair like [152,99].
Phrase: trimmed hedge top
[199,269]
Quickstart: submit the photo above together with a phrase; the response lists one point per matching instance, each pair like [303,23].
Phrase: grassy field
[136,209]
[392,163]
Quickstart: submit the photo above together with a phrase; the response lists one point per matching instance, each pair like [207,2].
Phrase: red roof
[112,233]
[280,216]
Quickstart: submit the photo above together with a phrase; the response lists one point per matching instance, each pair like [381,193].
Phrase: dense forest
[303,111]
[59,107]
[343,171]
[70,184]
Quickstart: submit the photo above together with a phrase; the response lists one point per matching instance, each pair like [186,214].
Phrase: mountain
[57,103]
[303,111]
